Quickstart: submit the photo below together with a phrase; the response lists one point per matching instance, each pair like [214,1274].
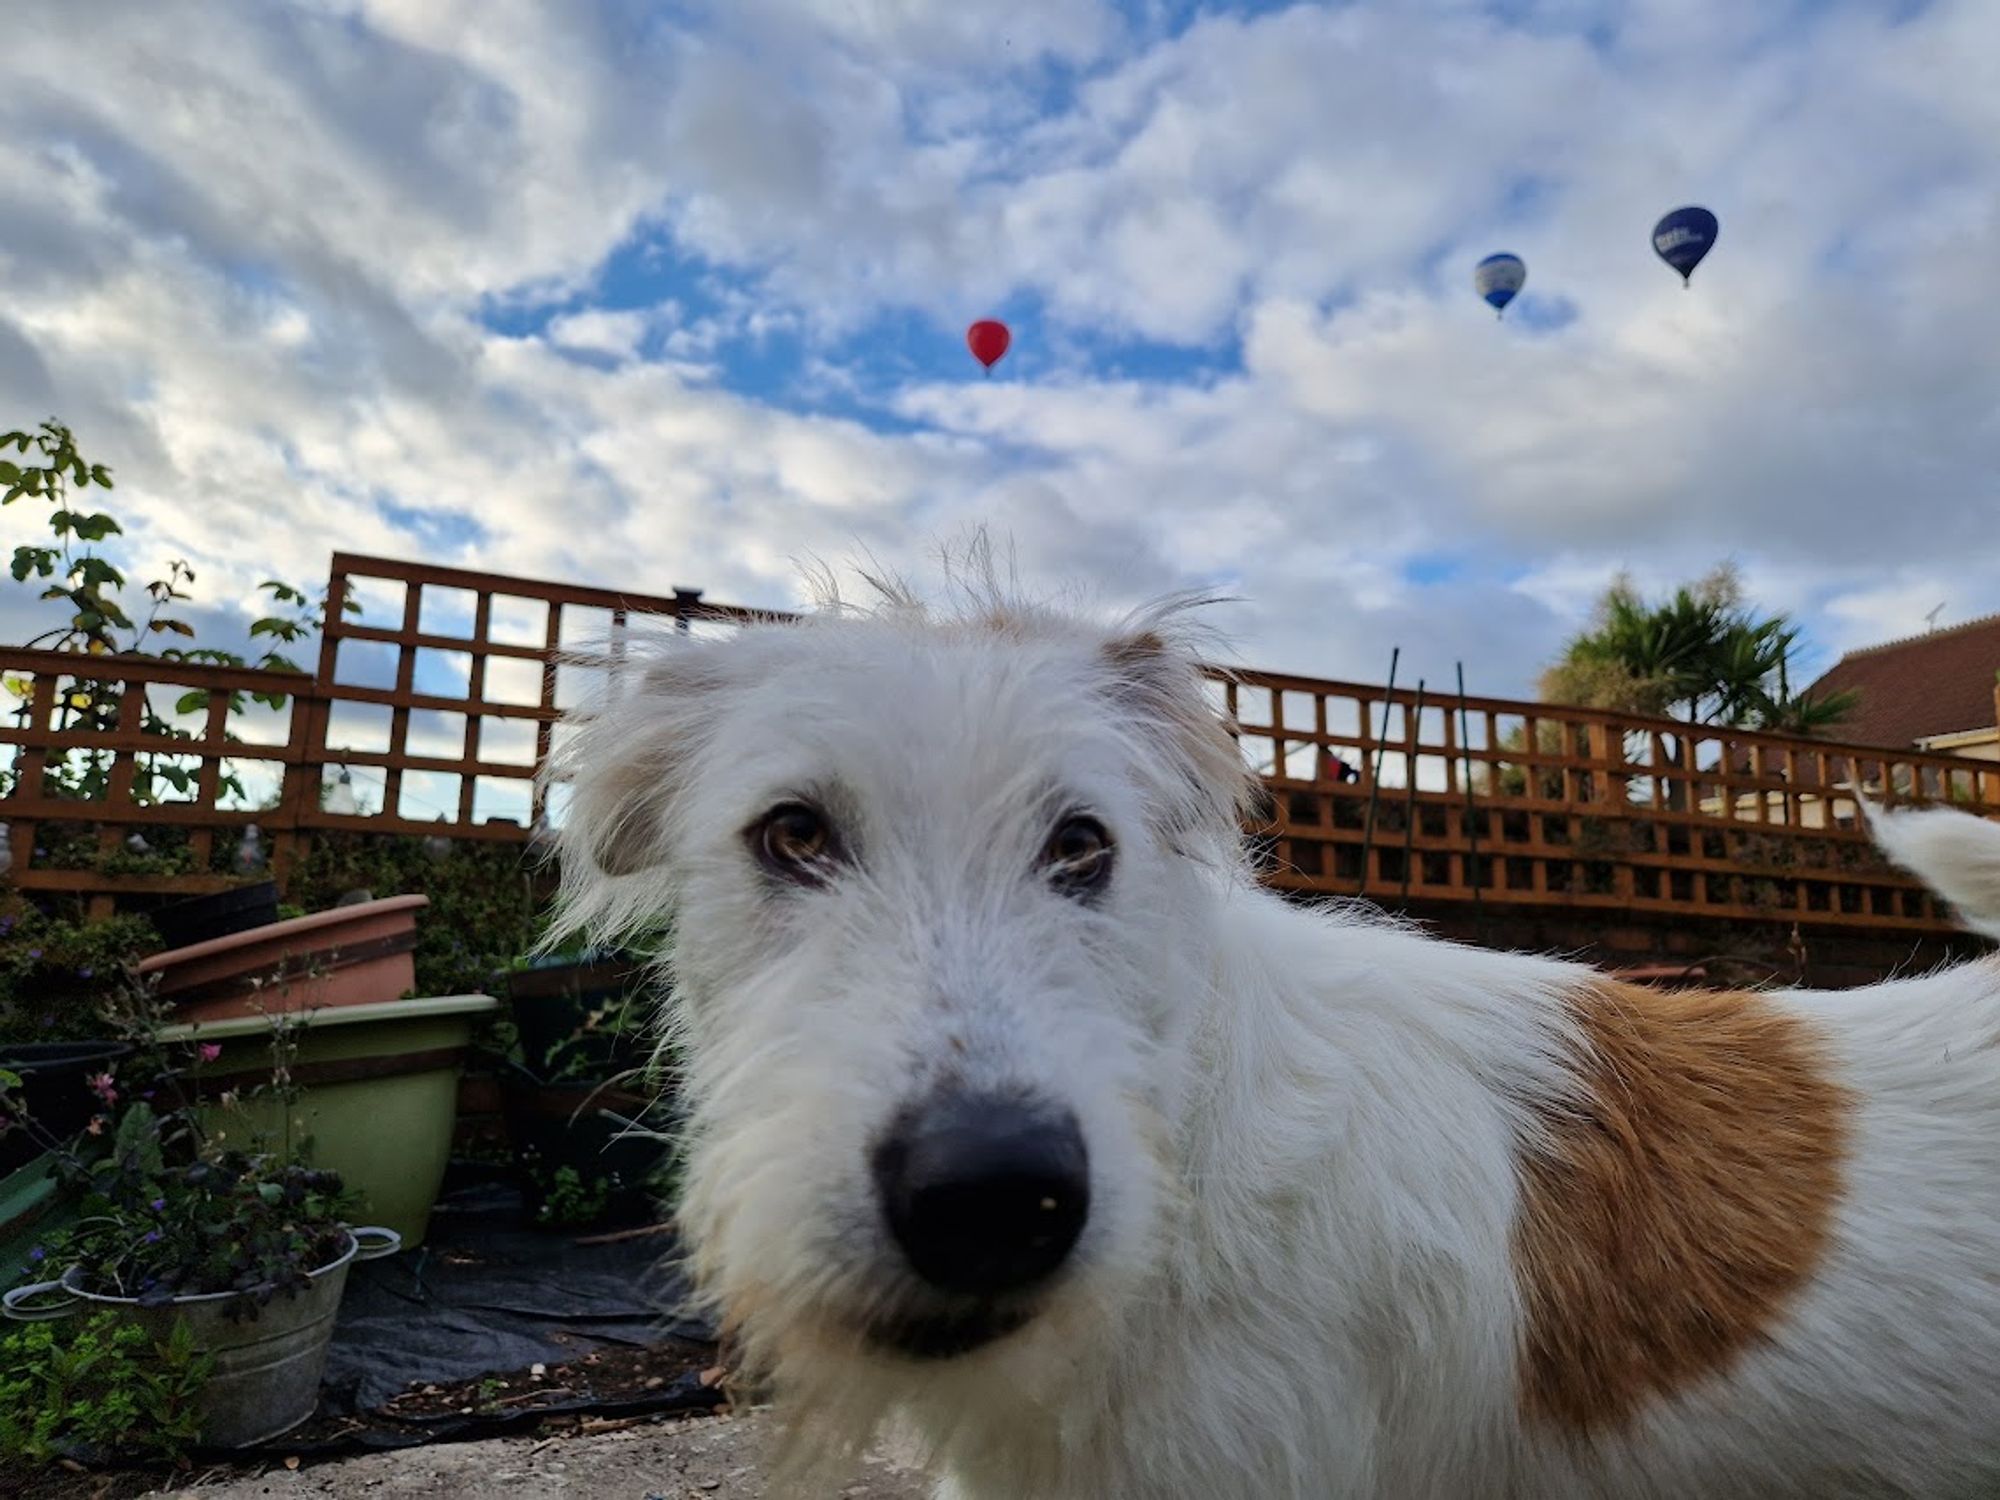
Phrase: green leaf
[178,627]
[96,528]
[194,702]
[95,572]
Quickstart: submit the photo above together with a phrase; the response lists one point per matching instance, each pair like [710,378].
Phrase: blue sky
[648,294]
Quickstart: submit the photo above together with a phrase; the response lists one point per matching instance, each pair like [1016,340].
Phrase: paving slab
[698,1458]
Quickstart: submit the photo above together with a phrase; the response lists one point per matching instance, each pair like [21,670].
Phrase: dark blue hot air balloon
[1683,237]
[1497,278]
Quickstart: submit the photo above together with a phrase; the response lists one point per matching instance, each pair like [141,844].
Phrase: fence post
[685,601]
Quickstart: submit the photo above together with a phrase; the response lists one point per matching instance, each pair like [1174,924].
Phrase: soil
[672,1376]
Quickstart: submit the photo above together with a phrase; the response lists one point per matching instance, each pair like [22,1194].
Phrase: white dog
[1021,1116]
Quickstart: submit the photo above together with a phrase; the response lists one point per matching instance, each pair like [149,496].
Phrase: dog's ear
[1157,690]
[627,763]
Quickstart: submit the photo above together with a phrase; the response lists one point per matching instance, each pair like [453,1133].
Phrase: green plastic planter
[378,1094]
[32,1207]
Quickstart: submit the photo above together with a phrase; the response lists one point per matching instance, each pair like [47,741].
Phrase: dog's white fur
[1305,1128]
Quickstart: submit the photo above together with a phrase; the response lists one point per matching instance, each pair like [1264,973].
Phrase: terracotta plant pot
[351,955]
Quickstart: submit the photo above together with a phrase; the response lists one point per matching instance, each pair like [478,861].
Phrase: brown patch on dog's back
[1679,1206]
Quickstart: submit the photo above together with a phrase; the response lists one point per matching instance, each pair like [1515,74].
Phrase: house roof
[1940,683]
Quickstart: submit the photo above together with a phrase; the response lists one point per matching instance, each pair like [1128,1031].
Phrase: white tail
[1956,854]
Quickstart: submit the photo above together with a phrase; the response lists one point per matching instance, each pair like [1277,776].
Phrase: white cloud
[600,331]
[249,259]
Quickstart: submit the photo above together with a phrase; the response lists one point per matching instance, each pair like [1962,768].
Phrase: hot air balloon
[1497,278]
[988,340]
[1683,237]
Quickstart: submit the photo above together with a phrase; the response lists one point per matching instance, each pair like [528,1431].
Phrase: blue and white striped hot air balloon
[1497,278]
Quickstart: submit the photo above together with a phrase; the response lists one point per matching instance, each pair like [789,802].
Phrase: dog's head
[934,887]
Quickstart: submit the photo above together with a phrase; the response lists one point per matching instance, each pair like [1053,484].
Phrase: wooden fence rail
[1540,804]
[439,692]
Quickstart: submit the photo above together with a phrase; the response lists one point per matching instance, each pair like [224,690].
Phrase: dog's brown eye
[795,841]
[1078,858]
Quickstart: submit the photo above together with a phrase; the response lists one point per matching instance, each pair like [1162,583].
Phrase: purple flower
[6,925]
[38,1254]
[34,953]
[152,1236]
[84,972]
[159,1205]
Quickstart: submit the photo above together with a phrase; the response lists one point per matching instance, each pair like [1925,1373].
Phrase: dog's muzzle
[985,1195]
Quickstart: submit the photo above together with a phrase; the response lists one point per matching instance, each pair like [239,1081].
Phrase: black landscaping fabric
[488,1294]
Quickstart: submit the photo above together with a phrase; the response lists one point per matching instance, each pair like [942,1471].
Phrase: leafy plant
[606,1034]
[100,1384]
[166,1217]
[167,1209]
[567,1199]
[484,899]
[55,974]
[90,586]
[1699,655]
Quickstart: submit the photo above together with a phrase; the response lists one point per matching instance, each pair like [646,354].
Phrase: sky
[655,295]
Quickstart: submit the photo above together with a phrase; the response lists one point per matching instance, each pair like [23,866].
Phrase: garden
[308,1145]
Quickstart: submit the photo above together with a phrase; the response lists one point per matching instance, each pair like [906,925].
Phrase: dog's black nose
[985,1193]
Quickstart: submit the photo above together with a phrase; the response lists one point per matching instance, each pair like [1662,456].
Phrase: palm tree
[1700,656]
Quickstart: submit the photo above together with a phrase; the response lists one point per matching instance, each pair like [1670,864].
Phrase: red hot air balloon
[988,340]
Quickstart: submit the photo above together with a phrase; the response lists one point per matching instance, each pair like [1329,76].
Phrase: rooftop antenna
[1930,620]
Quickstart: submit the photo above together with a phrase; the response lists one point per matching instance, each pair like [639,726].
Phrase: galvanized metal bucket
[267,1368]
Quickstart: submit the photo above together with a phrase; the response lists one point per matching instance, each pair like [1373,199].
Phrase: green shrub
[101,1385]
[485,899]
[55,974]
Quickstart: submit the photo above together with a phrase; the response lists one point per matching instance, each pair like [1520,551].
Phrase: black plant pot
[549,1005]
[54,1093]
[551,1126]
[181,924]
